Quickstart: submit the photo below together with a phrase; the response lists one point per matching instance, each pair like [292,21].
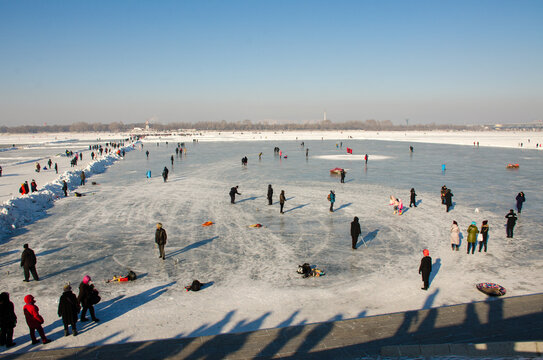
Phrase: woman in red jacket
[34,320]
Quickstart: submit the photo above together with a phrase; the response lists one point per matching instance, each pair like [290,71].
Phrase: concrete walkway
[496,320]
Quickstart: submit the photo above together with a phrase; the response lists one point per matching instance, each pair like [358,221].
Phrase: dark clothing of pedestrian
[484,235]
[355,231]
[26,187]
[84,298]
[28,263]
[511,221]
[65,187]
[332,199]
[448,199]
[8,320]
[520,199]
[413,202]
[425,269]
[56,168]
[165,173]
[160,239]
[68,309]
[83,177]
[270,194]
[443,192]
[233,192]
[33,186]
[342,176]
[282,200]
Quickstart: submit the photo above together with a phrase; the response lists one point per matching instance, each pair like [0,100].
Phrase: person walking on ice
[282,200]
[68,309]
[332,199]
[28,263]
[342,176]
[472,237]
[355,232]
[484,235]
[425,269]
[88,297]
[160,239]
[165,174]
[233,192]
[412,201]
[511,221]
[270,194]
[448,199]
[65,187]
[83,177]
[520,200]
[34,320]
[455,236]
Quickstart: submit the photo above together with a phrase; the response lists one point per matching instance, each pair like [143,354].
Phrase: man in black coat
[270,194]
[511,221]
[425,268]
[233,192]
[8,320]
[520,199]
[68,309]
[160,239]
[165,173]
[28,263]
[448,199]
[355,231]
[412,201]
[342,175]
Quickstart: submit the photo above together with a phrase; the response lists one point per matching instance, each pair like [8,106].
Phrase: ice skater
[425,269]
[484,235]
[355,232]
[28,263]
[270,194]
[472,236]
[412,201]
[233,192]
[511,221]
[332,199]
[282,200]
[68,309]
[160,240]
[34,320]
[520,200]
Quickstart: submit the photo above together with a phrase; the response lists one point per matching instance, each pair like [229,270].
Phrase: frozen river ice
[252,272]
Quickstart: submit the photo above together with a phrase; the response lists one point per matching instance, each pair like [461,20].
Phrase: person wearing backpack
[332,199]
[87,298]
[68,309]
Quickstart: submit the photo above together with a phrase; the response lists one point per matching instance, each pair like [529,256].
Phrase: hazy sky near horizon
[459,62]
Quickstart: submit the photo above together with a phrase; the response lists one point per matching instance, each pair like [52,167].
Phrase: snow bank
[26,209]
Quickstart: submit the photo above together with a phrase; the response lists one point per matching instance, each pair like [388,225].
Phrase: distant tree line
[245,125]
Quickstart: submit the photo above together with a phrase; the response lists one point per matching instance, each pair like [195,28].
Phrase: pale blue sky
[456,62]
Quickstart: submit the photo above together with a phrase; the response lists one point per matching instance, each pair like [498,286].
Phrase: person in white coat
[455,236]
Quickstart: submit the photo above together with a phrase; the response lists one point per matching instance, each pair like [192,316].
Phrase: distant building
[536,125]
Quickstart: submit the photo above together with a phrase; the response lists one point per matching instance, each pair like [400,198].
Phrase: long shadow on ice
[249,198]
[74,267]
[192,246]
[296,208]
[343,206]
[43,253]
[121,305]
[369,237]
[435,269]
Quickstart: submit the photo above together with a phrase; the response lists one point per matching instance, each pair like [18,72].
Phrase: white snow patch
[352,157]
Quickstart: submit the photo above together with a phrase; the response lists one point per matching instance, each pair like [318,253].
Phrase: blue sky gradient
[455,62]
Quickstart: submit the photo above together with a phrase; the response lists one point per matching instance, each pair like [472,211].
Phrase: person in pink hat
[425,268]
[88,297]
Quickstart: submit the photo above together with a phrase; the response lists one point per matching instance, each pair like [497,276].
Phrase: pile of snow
[26,209]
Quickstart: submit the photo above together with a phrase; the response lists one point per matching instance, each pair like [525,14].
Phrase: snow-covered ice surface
[251,271]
